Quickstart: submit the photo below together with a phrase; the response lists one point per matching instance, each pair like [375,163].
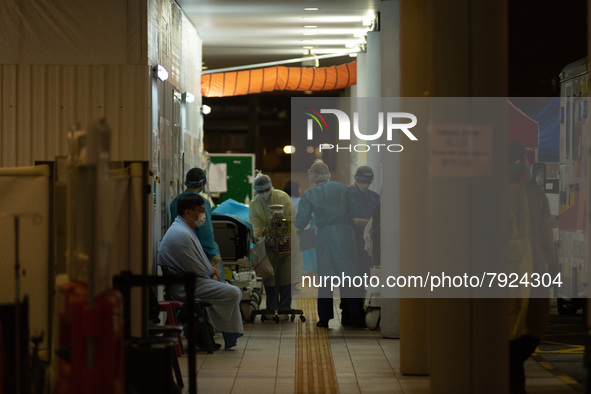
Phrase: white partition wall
[25,224]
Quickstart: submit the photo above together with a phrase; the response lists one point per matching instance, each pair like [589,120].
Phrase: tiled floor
[265,362]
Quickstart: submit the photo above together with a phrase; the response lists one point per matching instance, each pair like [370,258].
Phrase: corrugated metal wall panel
[82,84]
[39,104]
[135,136]
[24,117]
[68,102]
[126,123]
[52,112]
[97,98]
[112,105]
[8,114]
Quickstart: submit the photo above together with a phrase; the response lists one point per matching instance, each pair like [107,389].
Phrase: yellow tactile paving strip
[315,372]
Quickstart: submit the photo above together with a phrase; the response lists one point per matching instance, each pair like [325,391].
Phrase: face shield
[262,185]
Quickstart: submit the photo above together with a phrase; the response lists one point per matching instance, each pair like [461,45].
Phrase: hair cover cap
[262,182]
[319,172]
[364,174]
[195,178]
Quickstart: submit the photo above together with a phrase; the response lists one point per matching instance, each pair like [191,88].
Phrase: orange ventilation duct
[259,80]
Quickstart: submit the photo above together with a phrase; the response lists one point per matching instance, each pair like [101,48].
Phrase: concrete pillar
[390,187]
[415,78]
[374,83]
[453,48]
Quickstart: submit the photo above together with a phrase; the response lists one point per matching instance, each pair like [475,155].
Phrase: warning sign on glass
[460,150]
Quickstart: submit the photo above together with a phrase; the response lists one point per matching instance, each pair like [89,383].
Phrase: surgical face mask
[201,220]
[267,194]
[363,187]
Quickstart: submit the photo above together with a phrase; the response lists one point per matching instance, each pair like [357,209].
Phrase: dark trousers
[284,297]
[325,305]
[350,305]
[352,310]
[520,350]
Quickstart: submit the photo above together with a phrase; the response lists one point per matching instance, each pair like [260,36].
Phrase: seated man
[181,251]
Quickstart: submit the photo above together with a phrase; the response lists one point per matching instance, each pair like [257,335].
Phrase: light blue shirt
[204,232]
[181,250]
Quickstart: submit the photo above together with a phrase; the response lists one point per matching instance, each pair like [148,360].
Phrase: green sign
[239,170]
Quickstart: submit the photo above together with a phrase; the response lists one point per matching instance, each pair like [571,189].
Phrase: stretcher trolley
[234,237]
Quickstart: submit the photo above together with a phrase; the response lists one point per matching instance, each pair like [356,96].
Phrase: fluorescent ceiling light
[310,27]
[369,18]
[352,44]
[311,9]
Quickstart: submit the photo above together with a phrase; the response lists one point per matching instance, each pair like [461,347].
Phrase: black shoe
[322,324]
[202,347]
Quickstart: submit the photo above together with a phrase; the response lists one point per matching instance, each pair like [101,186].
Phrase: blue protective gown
[333,207]
[365,204]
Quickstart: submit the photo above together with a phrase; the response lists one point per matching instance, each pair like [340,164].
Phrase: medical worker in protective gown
[332,205]
[365,202]
[531,251]
[288,258]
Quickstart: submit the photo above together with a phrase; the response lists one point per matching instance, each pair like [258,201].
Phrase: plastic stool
[171,308]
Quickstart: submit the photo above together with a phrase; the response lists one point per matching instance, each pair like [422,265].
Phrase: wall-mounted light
[188,97]
[205,109]
[161,72]
[289,149]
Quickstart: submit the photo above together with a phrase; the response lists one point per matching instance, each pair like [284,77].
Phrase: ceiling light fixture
[311,9]
[310,27]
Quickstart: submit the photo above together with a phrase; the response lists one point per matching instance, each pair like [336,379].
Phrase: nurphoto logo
[391,120]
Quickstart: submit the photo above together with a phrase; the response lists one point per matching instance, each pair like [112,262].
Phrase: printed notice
[460,150]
